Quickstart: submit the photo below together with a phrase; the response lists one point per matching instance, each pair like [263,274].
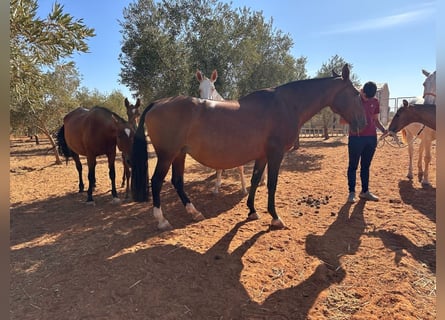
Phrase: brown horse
[261,126]
[93,133]
[409,113]
[133,114]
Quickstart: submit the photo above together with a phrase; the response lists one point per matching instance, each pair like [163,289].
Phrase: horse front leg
[124,175]
[112,175]
[273,167]
[79,171]
[427,160]
[258,170]
[91,178]
[127,176]
[178,182]
[410,163]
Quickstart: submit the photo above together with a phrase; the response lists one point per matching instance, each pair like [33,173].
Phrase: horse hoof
[277,224]
[90,203]
[116,201]
[253,216]
[165,226]
[198,216]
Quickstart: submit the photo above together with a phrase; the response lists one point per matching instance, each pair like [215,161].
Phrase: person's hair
[370,89]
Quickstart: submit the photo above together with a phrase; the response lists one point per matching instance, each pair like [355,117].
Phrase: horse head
[124,137]
[133,112]
[207,88]
[429,87]
[347,102]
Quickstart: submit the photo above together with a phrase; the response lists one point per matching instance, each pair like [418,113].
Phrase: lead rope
[395,143]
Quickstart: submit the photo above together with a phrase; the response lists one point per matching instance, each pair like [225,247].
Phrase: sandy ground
[368,260]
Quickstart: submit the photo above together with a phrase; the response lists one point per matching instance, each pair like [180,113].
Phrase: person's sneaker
[368,196]
[351,197]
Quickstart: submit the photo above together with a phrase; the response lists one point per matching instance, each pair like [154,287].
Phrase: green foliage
[37,50]
[165,42]
[114,101]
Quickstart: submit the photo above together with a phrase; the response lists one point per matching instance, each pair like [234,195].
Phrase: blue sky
[386,41]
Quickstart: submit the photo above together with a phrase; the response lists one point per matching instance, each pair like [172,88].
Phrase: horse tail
[62,145]
[139,162]
[404,138]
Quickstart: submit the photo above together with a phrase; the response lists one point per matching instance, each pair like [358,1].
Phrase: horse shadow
[341,238]
[423,200]
[396,242]
[170,281]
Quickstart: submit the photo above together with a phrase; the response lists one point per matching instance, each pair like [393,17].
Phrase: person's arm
[378,124]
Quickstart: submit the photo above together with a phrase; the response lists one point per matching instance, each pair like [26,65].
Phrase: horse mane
[305,81]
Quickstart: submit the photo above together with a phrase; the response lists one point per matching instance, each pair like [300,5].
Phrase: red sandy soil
[368,260]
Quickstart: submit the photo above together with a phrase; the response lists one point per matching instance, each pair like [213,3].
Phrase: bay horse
[409,113]
[91,133]
[427,135]
[133,114]
[208,91]
[260,126]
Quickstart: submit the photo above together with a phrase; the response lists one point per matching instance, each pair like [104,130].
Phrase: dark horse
[409,113]
[261,126]
[133,114]
[92,133]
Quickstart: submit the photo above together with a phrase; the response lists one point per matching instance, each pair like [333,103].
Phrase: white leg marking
[243,180]
[163,223]
[196,215]
[116,201]
[218,181]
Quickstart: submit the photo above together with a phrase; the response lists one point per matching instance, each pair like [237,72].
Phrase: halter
[394,137]
[429,94]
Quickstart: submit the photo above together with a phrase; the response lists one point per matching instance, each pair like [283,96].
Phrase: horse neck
[314,101]
[217,96]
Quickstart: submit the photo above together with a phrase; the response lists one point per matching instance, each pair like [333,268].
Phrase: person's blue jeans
[360,149]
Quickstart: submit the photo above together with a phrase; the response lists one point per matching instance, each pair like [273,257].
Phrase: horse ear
[214,76]
[345,72]
[405,103]
[138,103]
[426,73]
[127,104]
[199,75]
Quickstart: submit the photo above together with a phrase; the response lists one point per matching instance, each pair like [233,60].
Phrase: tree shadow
[422,200]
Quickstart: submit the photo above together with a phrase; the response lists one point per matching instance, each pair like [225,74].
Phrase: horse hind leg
[178,182]
[157,180]
[243,180]
[217,182]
